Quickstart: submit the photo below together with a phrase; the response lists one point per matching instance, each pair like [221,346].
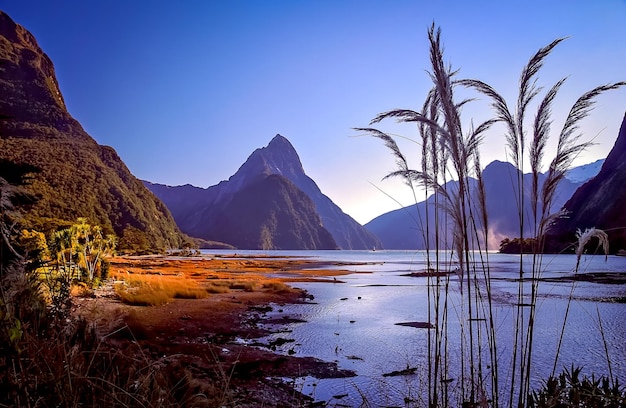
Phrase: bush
[569,390]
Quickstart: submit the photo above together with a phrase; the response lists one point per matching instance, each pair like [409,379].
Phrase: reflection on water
[354,323]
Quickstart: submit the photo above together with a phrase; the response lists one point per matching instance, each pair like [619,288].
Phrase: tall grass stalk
[448,152]
[583,240]
[542,197]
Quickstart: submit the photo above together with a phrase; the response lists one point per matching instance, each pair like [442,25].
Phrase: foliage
[134,240]
[22,307]
[518,245]
[14,200]
[570,390]
[64,364]
[48,358]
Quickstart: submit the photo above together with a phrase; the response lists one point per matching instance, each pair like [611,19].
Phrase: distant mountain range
[405,228]
[269,203]
[76,176]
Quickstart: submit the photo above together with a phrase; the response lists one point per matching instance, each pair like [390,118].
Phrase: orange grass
[154,290]
[153,281]
[278,286]
[218,287]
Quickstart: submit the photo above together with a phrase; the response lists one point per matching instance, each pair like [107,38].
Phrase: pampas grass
[585,237]
[450,152]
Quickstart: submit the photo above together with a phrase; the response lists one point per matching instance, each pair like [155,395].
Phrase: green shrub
[570,390]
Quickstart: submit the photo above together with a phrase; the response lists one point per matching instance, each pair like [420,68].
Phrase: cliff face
[598,203]
[201,212]
[279,157]
[77,177]
[271,213]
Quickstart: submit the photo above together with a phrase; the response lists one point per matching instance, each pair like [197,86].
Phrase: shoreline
[214,337]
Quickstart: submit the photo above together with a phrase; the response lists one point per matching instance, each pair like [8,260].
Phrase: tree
[91,246]
[81,249]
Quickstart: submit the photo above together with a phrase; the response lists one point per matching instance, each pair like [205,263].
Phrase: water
[354,323]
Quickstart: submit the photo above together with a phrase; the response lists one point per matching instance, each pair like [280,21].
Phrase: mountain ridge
[198,216]
[598,203]
[400,229]
[77,177]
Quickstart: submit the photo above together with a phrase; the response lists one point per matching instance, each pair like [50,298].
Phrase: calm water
[354,322]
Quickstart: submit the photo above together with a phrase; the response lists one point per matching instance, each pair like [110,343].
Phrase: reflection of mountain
[284,211]
[78,177]
[402,229]
[598,203]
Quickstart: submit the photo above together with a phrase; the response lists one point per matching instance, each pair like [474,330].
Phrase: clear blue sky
[186,90]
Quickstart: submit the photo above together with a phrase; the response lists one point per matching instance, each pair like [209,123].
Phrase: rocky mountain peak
[279,157]
[280,142]
[25,60]
[273,178]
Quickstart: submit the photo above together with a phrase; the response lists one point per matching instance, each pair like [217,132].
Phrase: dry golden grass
[80,289]
[218,287]
[153,281]
[278,286]
[154,290]
[246,286]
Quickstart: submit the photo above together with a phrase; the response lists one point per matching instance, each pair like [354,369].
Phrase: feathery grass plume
[568,147]
[450,153]
[541,196]
[586,236]
[583,239]
[528,86]
[541,134]
[391,144]
[460,149]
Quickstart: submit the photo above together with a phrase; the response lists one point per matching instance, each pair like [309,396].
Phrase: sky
[185,91]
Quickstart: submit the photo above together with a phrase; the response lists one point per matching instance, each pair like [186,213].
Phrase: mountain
[279,157]
[401,229]
[585,172]
[77,177]
[598,203]
[201,212]
[282,217]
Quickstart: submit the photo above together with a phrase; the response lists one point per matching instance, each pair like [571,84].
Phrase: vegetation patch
[155,290]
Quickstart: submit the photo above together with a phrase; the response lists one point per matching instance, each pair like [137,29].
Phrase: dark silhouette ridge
[598,203]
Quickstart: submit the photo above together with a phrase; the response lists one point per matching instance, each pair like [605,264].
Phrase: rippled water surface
[353,322]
